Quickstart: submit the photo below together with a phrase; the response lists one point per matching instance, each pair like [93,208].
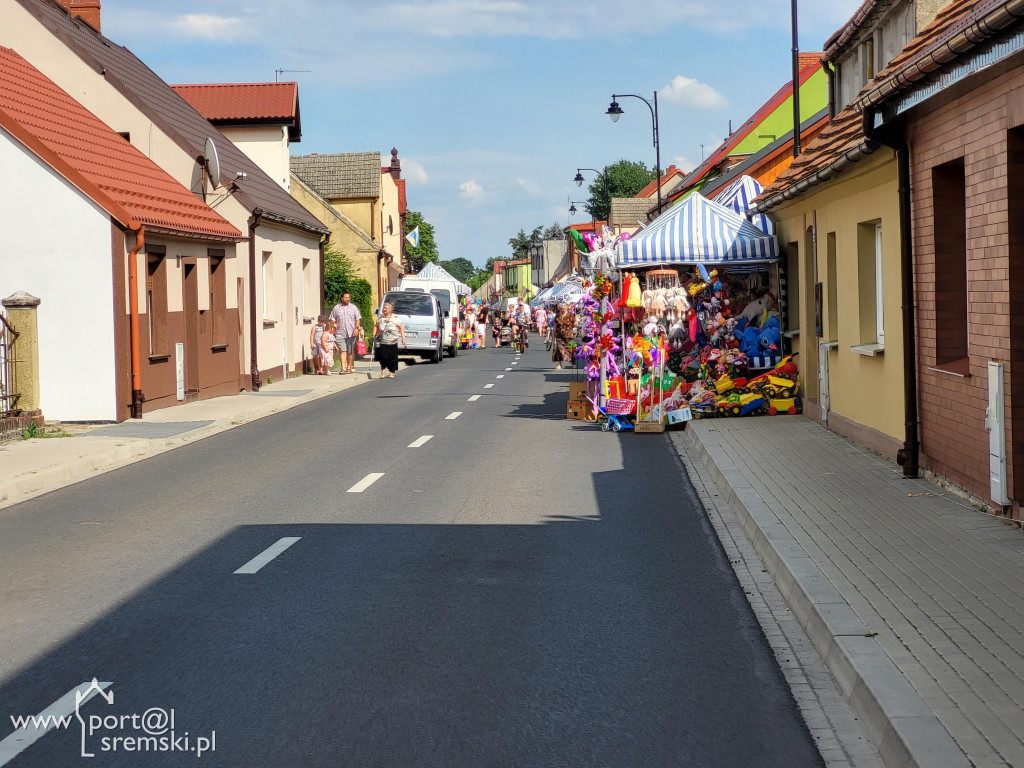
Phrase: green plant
[340,276]
[32,431]
[270,379]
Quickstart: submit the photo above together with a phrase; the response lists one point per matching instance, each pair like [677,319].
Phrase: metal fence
[8,397]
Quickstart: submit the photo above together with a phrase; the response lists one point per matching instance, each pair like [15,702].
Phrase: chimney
[396,167]
[86,10]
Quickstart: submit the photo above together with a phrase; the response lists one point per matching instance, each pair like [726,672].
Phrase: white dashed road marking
[366,482]
[420,441]
[474,398]
[488,386]
[63,708]
[453,415]
[500,376]
[268,554]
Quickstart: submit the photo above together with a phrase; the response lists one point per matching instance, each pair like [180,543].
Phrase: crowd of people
[341,332]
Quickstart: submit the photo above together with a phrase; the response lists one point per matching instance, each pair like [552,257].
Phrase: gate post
[22,315]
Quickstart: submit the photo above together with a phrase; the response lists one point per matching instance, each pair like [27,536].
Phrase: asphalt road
[520,590]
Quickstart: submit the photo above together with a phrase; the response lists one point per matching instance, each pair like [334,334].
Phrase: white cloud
[472,191]
[414,171]
[529,187]
[208,27]
[691,93]
[684,164]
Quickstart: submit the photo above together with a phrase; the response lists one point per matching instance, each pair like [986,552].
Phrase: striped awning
[698,231]
[739,197]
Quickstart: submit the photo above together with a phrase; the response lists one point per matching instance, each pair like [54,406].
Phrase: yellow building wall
[865,390]
[344,238]
[363,212]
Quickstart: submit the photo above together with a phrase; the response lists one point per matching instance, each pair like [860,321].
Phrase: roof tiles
[340,176]
[113,173]
[175,116]
[235,102]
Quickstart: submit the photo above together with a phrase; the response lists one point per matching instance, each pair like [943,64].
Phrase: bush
[340,276]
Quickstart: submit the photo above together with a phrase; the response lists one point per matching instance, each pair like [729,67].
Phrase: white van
[447,297]
[422,319]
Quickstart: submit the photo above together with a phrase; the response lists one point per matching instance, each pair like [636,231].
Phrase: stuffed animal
[770,338]
[651,328]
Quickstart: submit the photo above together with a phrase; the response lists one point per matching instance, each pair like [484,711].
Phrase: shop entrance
[191,307]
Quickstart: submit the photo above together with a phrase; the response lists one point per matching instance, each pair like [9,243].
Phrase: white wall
[56,244]
[265,145]
[285,246]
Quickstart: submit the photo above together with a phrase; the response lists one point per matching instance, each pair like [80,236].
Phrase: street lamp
[615,112]
[579,175]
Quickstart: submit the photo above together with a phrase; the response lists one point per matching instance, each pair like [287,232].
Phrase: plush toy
[770,338]
[651,328]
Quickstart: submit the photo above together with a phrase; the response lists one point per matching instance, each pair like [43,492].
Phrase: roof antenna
[279,72]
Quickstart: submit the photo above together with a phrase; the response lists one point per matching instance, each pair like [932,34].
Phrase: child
[327,347]
[314,343]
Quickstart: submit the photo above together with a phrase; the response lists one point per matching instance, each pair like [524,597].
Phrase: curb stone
[906,733]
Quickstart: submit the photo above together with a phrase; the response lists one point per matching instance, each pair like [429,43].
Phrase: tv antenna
[279,72]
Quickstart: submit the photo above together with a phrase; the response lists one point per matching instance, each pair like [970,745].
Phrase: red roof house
[84,212]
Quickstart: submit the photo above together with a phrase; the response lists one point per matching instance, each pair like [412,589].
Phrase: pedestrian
[496,323]
[470,336]
[565,332]
[540,317]
[327,347]
[388,331]
[314,343]
[348,319]
[481,325]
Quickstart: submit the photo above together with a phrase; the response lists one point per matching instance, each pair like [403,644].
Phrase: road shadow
[620,638]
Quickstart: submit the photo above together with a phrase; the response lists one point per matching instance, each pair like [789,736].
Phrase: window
[793,286]
[832,296]
[949,212]
[306,290]
[218,297]
[867,60]
[869,282]
[267,274]
[410,304]
[156,301]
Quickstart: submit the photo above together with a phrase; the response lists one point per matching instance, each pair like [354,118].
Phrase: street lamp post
[579,175]
[615,112]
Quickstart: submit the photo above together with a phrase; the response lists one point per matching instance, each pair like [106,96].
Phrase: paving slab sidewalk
[29,468]
[914,599]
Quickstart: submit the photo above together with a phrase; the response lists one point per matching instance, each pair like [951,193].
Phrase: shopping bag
[361,347]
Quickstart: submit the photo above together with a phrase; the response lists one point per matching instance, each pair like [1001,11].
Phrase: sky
[492,104]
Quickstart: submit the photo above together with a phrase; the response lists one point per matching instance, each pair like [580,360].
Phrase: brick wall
[968,124]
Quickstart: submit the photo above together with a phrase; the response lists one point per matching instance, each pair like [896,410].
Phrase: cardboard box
[580,410]
[649,426]
[577,391]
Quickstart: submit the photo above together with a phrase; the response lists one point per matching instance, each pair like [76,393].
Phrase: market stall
[739,197]
[693,328]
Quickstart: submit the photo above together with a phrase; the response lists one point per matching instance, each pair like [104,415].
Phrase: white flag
[414,237]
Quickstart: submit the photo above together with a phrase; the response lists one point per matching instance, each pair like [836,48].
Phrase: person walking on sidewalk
[314,343]
[349,321]
[327,347]
[388,331]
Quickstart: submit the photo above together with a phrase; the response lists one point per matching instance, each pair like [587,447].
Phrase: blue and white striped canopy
[739,196]
[698,231]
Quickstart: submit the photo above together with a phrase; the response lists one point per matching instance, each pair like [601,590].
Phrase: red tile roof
[402,205]
[100,163]
[652,188]
[590,226]
[230,102]
[844,34]
[956,30]
[840,143]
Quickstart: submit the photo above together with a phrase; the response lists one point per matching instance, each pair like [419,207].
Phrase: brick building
[956,97]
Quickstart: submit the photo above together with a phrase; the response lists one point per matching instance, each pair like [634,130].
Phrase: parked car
[445,292]
[423,320]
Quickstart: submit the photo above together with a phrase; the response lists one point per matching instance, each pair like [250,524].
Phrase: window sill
[219,347]
[830,346]
[268,323]
[307,321]
[791,334]
[869,350]
[160,358]
[961,369]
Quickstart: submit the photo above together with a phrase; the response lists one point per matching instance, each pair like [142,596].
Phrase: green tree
[340,276]
[623,178]
[461,269]
[554,232]
[478,279]
[522,242]
[426,251]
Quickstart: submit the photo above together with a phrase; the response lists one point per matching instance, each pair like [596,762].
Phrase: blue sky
[492,104]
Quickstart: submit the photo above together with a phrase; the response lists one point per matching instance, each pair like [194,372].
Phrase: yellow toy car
[790,405]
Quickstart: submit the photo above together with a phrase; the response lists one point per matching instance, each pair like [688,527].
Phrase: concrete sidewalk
[32,467]
[914,600]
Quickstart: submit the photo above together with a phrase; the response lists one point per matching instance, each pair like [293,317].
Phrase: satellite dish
[212,162]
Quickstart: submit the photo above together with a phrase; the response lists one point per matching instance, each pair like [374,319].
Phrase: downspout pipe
[133,321]
[254,366]
[831,73]
[909,456]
